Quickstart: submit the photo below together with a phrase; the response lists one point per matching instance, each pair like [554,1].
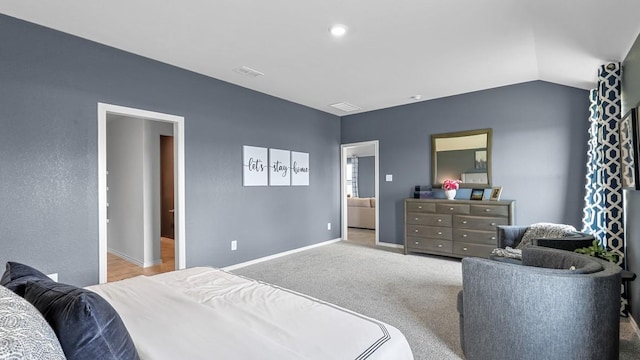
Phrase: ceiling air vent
[345,106]
[247,71]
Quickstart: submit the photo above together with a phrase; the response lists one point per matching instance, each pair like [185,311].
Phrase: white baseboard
[125,257]
[135,261]
[275,256]
[395,246]
[153,263]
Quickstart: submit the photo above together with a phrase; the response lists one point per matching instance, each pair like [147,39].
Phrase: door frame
[343,185]
[179,179]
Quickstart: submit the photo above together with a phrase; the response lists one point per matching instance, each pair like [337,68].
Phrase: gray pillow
[544,230]
[24,333]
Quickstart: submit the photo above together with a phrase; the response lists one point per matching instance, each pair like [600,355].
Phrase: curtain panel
[354,176]
[603,210]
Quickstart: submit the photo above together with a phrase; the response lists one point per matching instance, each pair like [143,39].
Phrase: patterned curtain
[354,176]
[603,209]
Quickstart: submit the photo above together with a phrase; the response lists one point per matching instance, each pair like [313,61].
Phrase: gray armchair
[512,234]
[556,305]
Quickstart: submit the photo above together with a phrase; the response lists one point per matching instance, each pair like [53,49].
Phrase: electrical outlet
[234,245]
[328,226]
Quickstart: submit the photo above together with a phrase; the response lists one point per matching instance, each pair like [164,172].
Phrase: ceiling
[393,50]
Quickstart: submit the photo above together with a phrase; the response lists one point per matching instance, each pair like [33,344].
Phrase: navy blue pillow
[16,276]
[87,326]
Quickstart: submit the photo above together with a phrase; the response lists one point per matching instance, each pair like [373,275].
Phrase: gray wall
[539,148]
[631,98]
[366,176]
[631,78]
[51,84]
[152,192]
[125,160]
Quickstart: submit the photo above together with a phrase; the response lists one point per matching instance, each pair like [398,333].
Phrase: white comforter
[206,313]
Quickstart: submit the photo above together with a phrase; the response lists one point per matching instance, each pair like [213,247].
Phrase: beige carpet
[414,293]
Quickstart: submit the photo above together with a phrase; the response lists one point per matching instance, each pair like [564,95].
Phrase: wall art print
[255,166]
[279,167]
[299,169]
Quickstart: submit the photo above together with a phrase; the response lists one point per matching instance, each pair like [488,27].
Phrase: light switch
[389,177]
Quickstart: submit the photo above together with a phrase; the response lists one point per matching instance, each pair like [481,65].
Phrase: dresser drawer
[429,232]
[489,210]
[420,207]
[452,208]
[470,249]
[421,244]
[478,222]
[475,236]
[428,219]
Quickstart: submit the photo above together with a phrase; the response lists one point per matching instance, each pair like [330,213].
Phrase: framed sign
[254,166]
[299,169]
[279,164]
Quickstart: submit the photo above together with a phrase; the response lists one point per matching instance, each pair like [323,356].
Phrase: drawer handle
[464,249]
[417,243]
[464,221]
[451,209]
[493,238]
[439,232]
[417,219]
[439,245]
[420,207]
[487,210]
[439,220]
[416,230]
[493,224]
[464,235]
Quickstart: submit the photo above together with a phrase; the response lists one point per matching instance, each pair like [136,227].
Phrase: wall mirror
[463,155]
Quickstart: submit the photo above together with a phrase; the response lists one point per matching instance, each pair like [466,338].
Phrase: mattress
[206,313]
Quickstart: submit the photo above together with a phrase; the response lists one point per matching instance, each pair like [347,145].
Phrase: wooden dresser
[456,228]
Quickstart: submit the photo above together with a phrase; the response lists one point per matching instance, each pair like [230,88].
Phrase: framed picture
[628,149]
[477,194]
[255,166]
[279,167]
[495,193]
[481,159]
[299,169]
[635,135]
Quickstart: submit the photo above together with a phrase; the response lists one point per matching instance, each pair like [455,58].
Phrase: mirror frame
[434,165]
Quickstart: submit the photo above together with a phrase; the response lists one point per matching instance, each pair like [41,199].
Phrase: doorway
[150,121]
[360,192]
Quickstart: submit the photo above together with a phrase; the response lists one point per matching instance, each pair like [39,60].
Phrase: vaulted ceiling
[392,51]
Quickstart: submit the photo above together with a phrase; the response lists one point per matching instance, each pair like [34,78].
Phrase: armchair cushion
[560,261]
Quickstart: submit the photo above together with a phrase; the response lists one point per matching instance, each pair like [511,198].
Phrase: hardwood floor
[118,268]
[362,236]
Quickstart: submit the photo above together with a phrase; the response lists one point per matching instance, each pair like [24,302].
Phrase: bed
[232,317]
[197,313]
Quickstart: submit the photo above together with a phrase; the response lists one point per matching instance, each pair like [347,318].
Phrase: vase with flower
[450,186]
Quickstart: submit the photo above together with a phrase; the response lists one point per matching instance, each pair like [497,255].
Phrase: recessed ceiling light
[338,30]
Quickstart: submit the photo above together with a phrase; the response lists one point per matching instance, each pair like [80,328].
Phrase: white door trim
[343,185]
[178,138]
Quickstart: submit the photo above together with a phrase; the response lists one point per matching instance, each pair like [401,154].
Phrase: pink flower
[450,184]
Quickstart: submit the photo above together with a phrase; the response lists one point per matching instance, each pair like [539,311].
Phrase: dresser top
[478,202]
